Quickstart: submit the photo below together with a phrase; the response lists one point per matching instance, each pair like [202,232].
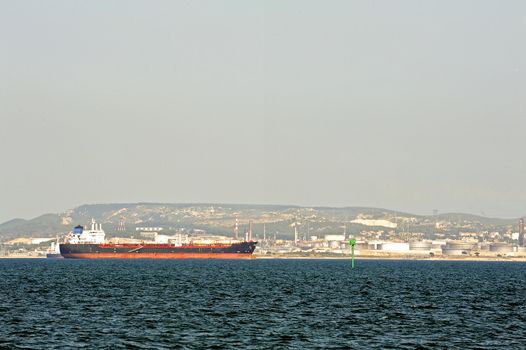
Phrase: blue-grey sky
[408,105]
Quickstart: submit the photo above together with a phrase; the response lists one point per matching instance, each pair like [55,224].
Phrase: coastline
[348,257]
[395,257]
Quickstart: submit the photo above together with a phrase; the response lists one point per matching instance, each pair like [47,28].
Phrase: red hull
[158,256]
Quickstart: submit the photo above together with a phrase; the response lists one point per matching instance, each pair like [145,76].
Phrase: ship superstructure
[94,235]
[53,251]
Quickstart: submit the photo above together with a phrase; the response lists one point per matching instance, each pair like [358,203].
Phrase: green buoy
[352,243]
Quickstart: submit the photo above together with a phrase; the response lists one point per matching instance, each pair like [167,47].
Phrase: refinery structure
[337,244]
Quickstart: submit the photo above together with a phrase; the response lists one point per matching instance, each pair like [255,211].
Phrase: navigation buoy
[352,243]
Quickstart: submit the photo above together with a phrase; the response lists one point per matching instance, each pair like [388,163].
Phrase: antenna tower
[121,227]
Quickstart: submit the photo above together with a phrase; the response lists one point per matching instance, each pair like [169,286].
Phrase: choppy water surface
[261,304]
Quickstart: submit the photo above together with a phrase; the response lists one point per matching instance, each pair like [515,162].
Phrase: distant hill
[220,218]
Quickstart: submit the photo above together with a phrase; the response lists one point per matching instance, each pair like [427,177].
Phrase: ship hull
[156,256]
[241,250]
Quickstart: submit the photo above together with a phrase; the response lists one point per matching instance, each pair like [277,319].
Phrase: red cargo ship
[89,244]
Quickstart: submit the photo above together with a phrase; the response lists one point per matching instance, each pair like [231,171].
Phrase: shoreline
[284,257]
[401,257]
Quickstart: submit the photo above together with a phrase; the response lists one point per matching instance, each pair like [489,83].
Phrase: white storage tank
[394,247]
[437,244]
[420,245]
[458,248]
[501,248]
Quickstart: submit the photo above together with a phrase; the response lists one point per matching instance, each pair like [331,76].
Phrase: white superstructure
[54,248]
[94,235]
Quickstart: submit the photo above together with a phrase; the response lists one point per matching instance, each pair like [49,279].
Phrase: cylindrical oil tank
[501,248]
[420,245]
[457,248]
[437,244]
[394,247]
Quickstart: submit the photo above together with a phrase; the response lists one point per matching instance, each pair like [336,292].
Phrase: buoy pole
[352,243]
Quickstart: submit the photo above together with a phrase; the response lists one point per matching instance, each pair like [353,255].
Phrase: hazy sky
[408,105]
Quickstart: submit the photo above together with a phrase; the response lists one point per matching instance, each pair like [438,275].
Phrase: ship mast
[236,229]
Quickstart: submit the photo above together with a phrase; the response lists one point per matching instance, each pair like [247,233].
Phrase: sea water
[261,304]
